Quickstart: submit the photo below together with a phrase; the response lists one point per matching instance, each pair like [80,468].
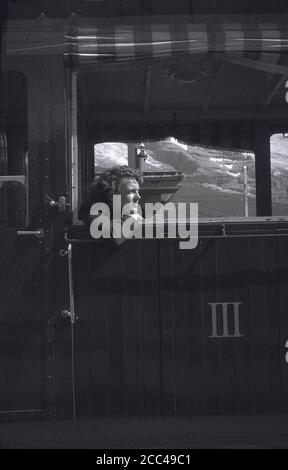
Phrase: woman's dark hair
[103,188]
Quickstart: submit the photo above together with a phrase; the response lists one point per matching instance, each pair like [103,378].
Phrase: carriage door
[32,217]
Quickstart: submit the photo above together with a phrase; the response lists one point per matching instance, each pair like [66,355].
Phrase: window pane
[222,182]
[279,174]
[13,150]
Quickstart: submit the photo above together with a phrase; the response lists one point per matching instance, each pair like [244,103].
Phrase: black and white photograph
[143,227]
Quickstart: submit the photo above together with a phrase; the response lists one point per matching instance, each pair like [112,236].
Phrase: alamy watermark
[179,220]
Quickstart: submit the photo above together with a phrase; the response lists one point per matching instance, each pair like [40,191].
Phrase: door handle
[61,203]
[39,233]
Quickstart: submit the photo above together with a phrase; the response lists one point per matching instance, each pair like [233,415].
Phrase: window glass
[222,182]
[279,174]
[13,151]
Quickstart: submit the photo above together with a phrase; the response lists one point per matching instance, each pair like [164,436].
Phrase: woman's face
[129,192]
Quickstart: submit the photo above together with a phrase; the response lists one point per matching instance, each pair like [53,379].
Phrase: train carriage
[145,332]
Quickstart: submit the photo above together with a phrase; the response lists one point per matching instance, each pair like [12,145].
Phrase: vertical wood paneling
[150,326]
[282,291]
[168,285]
[272,325]
[226,346]
[245,396]
[257,313]
[117,346]
[232,374]
[188,347]
[131,275]
[212,347]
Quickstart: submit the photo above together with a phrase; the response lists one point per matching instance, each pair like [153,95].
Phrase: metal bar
[72,318]
[247,235]
[74,149]
[246,192]
[244,220]
[24,411]
[39,233]
[16,178]
[26,163]
[71,293]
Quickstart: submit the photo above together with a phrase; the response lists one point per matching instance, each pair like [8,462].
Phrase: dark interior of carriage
[205,102]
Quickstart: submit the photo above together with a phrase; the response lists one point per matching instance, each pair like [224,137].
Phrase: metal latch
[61,203]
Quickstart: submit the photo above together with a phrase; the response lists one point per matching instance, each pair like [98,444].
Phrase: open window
[14,197]
[203,98]
[221,181]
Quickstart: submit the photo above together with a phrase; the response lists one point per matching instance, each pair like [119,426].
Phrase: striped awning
[258,39]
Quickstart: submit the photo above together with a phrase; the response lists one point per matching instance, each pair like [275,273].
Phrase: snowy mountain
[109,154]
